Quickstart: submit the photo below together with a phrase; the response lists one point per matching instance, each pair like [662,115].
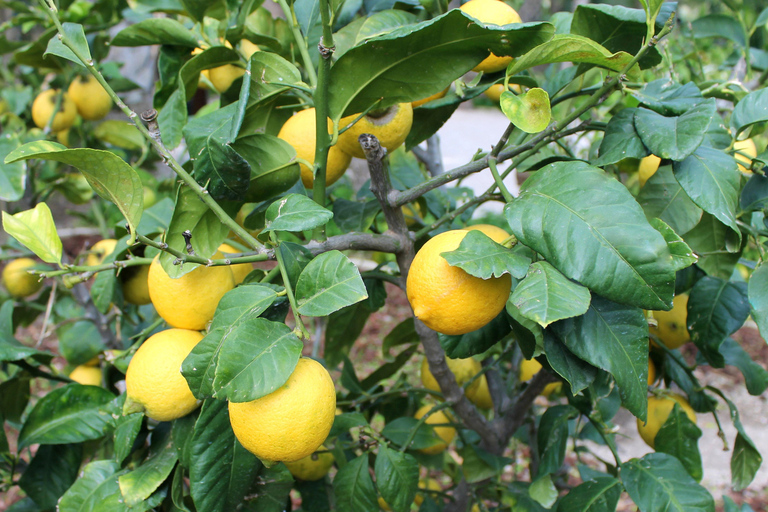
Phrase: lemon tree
[270,288]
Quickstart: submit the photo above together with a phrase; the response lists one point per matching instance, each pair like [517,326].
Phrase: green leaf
[481,257]
[571,48]
[107,173]
[76,35]
[614,338]
[543,491]
[397,477]
[353,487]
[711,179]
[388,369]
[679,437]
[716,309]
[137,485]
[652,10]
[682,255]
[662,197]
[567,212]
[156,217]
[126,432]
[156,31]
[719,25]
[36,230]
[598,495]
[14,397]
[295,212]
[755,376]
[121,134]
[343,329]
[546,296]
[70,414]
[674,137]
[103,291]
[716,245]
[529,111]
[752,109]
[553,437]
[621,140]
[578,373]
[355,215]
[659,483]
[198,9]
[221,470]
[295,258]
[476,342]
[51,472]
[10,348]
[328,283]
[173,118]
[373,25]
[79,341]
[13,176]
[669,98]
[272,489]
[754,195]
[745,462]
[96,490]
[448,46]
[758,297]
[400,430]
[273,166]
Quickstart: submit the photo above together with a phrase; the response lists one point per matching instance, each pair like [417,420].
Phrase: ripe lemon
[91,100]
[429,484]
[481,395]
[291,422]
[18,281]
[391,127]
[495,233]
[447,299]
[42,109]
[464,370]
[435,96]
[299,132]
[651,372]
[240,271]
[154,383]
[100,251]
[86,375]
[747,147]
[312,467]
[494,92]
[659,409]
[247,48]
[63,138]
[135,281]
[648,167]
[445,433]
[529,368]
[190,301]
[224,76]
[672,328]
[493,12]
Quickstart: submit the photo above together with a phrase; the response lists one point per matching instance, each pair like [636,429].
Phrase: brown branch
[355,241]
[514,417]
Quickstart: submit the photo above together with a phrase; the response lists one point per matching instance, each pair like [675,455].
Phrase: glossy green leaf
[752,109]
[682,255]
[103,291]
[343,328]
[79,341]
[127,430]
[36,230]
[401,429]
[659,483]
[475,342]
[758,297]
[10,348]
[662,197]
[719,25]
[137,485]
[156,31]
[416,61]
[273,164]
[668,97]
[716,309]
[711,179]
[546,295]
[76,36]
[755,376]
[598,495]
[553,437]
[70,414]
[328,283]
[96,490]
[614,338]
[716,245]
[156,217]
[107,173]
[621,140]
[567,212]
[373,25]
[295,212]
[679,437]
[14,397]
[674,137]
[172,119]
[754,195]
[221,470]
[13,176]
[355,215]
[745,462]
[481,257]
[543,491]
[529,111]
[51,472]
[295,258]
[578,373]
[272,489]
[397,476]
[121,134]
[353,487]
[198,9]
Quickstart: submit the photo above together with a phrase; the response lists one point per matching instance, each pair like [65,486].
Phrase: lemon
[747,147]
[659,409]
[149,196]
[154,383]
[92,100]
[494,92]
[190,301]
[299,132]
[42,109]
[223,77]
[480,395]
[529,368]
[100,251]
[464,370]
[648,167]
[86,375]
[240,271]
[429,484]
[291,422]
[135,281]
[63,137]
[495,233]
[412,213]
[672,329]
[244,211]
[435,96]
[18,281]
[447,299]
[391,127]
[248,48]
[312,467]
[445,433]
[493,12]
[651,372]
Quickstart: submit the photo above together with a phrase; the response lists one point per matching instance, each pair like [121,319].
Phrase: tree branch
[355,241]
[514,417]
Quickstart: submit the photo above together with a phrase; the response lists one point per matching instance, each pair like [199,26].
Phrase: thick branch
[355,241]
[514,417]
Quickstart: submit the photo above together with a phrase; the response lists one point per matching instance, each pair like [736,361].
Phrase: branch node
[325,51]
[188,240]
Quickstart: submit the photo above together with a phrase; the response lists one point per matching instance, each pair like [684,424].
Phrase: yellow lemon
[447,299]
[672,328]
[42,109]
[435,96]
[480,395]
[63,138]
[463,369]
[747,147]
[391,126]
[92,100]
[100,251]
[529,368]
[299,132]
[18,281]
[224,76]
[446,433]
[494,92]
[248,48]
[659,409]
[651,372]
[312,467]
[648,167]
[154,383]
[493,12]
[291,422]
[495,233]
[240,271]
[135,281]
[86,375]
[190,301]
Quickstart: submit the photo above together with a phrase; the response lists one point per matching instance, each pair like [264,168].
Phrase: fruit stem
[288,288]
[499,183]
